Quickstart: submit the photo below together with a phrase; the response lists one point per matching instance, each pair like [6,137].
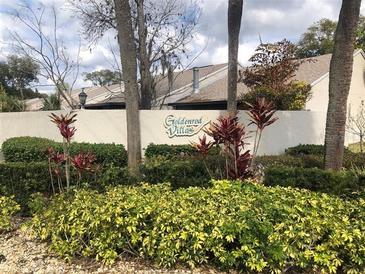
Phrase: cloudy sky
[273,20]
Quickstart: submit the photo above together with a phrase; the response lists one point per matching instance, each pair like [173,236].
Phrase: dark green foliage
[51,102]
[279,160]
[319,38]
[308,149]
[16,75]
[180,173]
[27,149]
[294,97]
[33,149]
[342,183]
[169,151]
[37,202]
[24,179]
[306,161]
[233,225]
[305,150]
[115,175]
[351,160]
[104,77]
[105,153]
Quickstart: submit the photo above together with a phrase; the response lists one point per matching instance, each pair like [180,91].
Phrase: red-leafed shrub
[229,135]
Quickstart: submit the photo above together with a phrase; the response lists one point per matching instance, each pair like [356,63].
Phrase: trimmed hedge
[232,225]
[305,150]
[308,149]
[174,151]
[21,180]
[169,151]
[350,160]
[180,173]
[305,161]
[33,149]
[341,183]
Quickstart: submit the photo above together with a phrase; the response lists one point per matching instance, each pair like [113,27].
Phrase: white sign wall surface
[166,127]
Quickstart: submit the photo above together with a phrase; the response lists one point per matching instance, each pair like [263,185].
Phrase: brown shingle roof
[214,91]
[217,91]
[184,78]
[115,93]
[314,69]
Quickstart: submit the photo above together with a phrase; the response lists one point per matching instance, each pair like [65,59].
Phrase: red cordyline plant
[261,115]
[64,122]
[83,162]
[55,160]
[230,136]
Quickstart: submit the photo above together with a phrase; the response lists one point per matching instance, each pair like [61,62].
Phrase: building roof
[309,71]
[115,93]
[34,104]
[97,94]
[212,84]
[184,78]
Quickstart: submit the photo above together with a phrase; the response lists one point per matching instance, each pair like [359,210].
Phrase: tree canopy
[271,75]
[319,38]
[103,77]
[17,73]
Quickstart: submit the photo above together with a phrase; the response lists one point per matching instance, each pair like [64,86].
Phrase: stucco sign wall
[166,127]
[181,126]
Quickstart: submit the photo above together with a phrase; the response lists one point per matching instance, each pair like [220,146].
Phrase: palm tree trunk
[234,25]
[144,64]
[129,65]
[339,83]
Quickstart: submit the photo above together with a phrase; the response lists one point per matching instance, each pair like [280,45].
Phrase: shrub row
[8,207]
[308,149]
[231,225]
[350,160]
[33,149]
[22,180]
[170,151]
[305,161]
[180,173]
[173,151]
[341,183]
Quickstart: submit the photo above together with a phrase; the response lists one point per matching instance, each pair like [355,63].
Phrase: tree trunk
[144,66]
[129,67]
[339,83]
[234,25]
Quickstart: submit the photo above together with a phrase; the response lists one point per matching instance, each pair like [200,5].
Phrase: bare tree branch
[47,50]
[162,29]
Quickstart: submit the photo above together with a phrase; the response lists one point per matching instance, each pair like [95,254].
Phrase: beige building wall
[109,126]
[319,100]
